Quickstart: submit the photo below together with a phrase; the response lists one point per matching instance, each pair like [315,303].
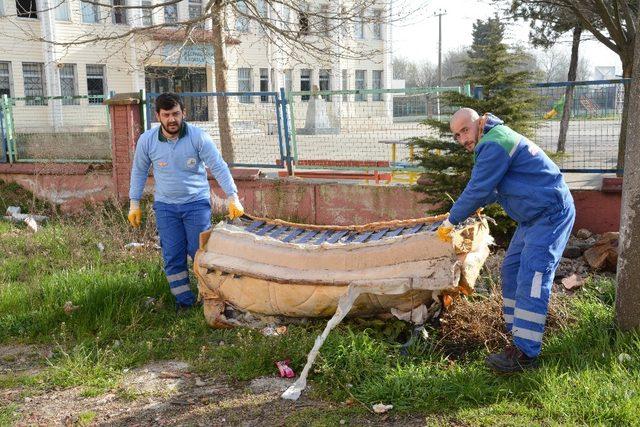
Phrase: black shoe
[512,359]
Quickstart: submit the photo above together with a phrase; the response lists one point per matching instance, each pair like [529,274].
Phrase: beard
[172,129]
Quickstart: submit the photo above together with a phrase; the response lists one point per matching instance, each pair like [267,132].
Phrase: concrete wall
[71,186]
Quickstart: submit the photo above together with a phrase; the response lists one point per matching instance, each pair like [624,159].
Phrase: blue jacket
[513,171]
[179,167]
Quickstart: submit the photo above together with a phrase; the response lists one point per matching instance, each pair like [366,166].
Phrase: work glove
[135,213]
[444,231]
[235,207]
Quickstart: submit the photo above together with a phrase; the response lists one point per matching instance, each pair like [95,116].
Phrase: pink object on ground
[285,370]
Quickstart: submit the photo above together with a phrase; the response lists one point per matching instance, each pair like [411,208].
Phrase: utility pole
[439,13]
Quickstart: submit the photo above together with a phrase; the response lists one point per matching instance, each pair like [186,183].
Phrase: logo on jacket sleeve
[191,162]
[162,164]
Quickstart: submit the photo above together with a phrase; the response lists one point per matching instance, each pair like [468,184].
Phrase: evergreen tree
[495,73]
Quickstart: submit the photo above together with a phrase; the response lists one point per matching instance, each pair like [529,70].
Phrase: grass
[583,378]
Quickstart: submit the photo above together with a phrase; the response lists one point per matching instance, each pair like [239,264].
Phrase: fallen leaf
[281,330]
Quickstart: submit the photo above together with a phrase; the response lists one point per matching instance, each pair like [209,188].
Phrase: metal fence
[55,129]
[255,122]
[362,130]
[594,127]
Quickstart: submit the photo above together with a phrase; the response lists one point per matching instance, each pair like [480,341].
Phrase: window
[62,10]
[264,84]
[376,83]
[147,13]
[287,81]
[27,9]
[90,13]
[119,14]
[171,14]
[344,21]
[358,27]
[242,21]
[68,84]
[324,80]
[33,82]
[5,79]
[325,24]
[345,84]
[303,23]
[244,84]
[195,9]
[377,24]
[361,83]
[96,87]
[262,11]
[305,82]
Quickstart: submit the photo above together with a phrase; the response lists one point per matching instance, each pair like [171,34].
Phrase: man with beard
[517,174]
[179,152]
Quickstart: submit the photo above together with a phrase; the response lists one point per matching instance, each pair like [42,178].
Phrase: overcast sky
[416,37]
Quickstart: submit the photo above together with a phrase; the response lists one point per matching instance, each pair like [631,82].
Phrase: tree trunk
[568,96]
[628,289]
[221,67]
[627,69]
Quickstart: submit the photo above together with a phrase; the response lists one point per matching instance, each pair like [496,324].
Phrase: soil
[166,393]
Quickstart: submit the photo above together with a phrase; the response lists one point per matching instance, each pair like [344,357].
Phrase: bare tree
[614,24]
[296,30]
[628,289]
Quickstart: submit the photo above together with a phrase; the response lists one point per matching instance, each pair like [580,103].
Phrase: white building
[161,60]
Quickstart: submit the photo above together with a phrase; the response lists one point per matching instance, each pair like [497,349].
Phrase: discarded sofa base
[275,268]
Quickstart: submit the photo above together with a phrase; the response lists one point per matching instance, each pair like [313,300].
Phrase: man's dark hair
[168,101]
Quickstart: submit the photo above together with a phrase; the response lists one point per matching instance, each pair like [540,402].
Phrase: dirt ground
[167,393]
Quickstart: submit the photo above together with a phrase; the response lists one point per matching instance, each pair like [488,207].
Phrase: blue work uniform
[517,174]
[181,195]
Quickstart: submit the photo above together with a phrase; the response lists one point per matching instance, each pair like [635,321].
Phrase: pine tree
[496,72]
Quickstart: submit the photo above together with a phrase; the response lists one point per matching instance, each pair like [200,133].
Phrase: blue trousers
[527,275]
[179,227]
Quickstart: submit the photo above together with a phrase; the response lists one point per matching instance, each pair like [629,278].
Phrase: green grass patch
[590,372]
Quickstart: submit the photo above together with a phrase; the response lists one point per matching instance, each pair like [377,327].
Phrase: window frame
[264,83]
[119,12]
[43,85]
[324,75]
[34,12]
[306,79]
[74,84]
[9,78]
[379,73]
[246,82]
[103,77]
[361,97]
[87,6]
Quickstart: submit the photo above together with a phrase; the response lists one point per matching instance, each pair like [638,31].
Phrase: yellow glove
[235,207]
[135,214]
[444,231]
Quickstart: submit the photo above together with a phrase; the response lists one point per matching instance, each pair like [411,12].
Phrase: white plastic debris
[381,408]
[31,224]
[134,245]
[100,246]
[624,357]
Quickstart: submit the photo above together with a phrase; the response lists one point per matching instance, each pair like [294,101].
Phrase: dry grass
[477,322]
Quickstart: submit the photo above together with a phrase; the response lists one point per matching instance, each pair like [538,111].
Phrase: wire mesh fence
[56,129]
[591,143]
[361,129]
[254,123]
[353,129]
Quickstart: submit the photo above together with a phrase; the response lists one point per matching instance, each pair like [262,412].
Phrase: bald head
[464,126]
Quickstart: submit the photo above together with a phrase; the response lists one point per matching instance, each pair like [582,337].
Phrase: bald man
[510,169]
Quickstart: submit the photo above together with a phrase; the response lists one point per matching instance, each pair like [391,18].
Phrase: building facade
[97,50]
